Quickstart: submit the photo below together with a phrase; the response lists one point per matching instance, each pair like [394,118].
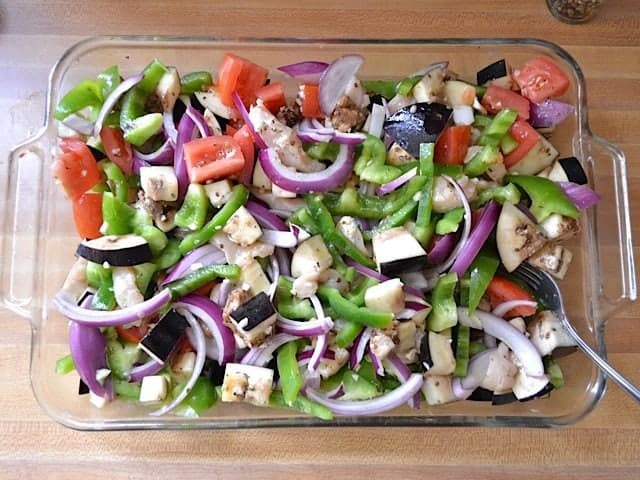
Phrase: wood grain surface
[605,445]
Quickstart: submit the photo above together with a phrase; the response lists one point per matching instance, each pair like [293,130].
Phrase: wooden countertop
[605,445]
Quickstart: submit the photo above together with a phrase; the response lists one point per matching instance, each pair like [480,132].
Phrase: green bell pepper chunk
[300,404]
[117,215]
[121,356]
[355,204]
[348,311]
[454,171]
[104,298]
[553,370]
[546,196]
[202,276]
[290,378]
[323,150]
[155,237]
[65,365]
[125,389]
[483,160]
[405,86]
[450,221]
[141,129]
[348,333]
[116,179]
[481,271]
[331,235]
[508,144]
[481,121]
[498,127]
[193,212]
[371,162]
[476,347]
[144,273]
[356,296]
[462,351]
[480,91]
[195,82]
[302,218]
[97,274]
[423,231]
[290,307]
[239,196]
[506,193]
[356,387]
[367,372]
[386,88]
[87,93]
[109,80]
[201,397]
[396,219]
[169,256]
[444,313]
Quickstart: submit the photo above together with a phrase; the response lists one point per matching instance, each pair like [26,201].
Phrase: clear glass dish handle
[618,275]
[22,224]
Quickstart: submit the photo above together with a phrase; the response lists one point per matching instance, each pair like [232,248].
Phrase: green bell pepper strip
[144,273]
[356,387]
[553,370]
[108,80]
[480,272]
[300,404]
[195,82]
[508,144]
[116,214]
[193,212]
[302,218]
[405,86]
[323,150]
[348,311]
[202,276]
[350,329]
[422,231]
[483,160]
[367,372]
[546,196]
[87,93]
[356,296]
[498,128]
[331,235]
[125,389]
[120,356]
[386,88]
[201,397]
[116,179]
[97,274]
[290,378]
[65,365]
[462,351]
[141,129]
[444,313]
[481,121]
[505,193]
[450,221]
[104,298]
[155,237]
[371,162]
[396,219]
[169,256]
[239,196]
[355,204]
[290,307]
[454,171]
[476,347]
[133,105]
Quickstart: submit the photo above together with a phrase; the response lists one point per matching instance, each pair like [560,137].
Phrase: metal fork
[548,292]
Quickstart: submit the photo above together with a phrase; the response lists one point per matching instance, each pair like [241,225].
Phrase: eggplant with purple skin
[418,123]
[491,72]
[574,171]
[160,341]
[116,250]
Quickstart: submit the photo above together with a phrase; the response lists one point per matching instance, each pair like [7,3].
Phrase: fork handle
[622,381]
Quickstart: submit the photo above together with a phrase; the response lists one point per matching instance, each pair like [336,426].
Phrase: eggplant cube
[386,296]
[491,72]
[438,390]
[116,250]
[154,388]
[397,251]
[253,321]
[247,383]
[159,342]
[218,192]
[242,228]
[159,183]
[311,256]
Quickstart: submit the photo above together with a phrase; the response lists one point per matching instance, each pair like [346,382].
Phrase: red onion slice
[263,354]
[162,156]
[335,79]
[237,101]
[299,182]
[502,309]
[150,368]
[549,113]
[470,249]
[399,370]
[442,249]
[376,120]
[397,183]
[186,133]
[346,138]
[367,272]
[110,318]
[377,363]
[265,217]
[197,369]
[477,370]
[79,124]
[199,120]
[169,127]
[307,72]
[313,137]
[112,99]
[318,352]
[88,350]
[304,329]
[384,403]
[521,346]
[210,313]
[207,254]
[359,347]
[581,195]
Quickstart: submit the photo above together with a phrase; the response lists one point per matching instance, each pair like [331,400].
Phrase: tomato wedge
[497,98]
[76,168]
[133,334]
[502,290]
[87,214]
[241,75]
[213,158]
[452,145]
[310,103]
[117,149]
[272,97]
[245,140]
[540,78]
[526,136]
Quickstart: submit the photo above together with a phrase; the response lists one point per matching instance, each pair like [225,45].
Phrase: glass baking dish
[40,240]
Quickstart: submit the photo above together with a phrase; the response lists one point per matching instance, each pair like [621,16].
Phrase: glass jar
[573,11]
